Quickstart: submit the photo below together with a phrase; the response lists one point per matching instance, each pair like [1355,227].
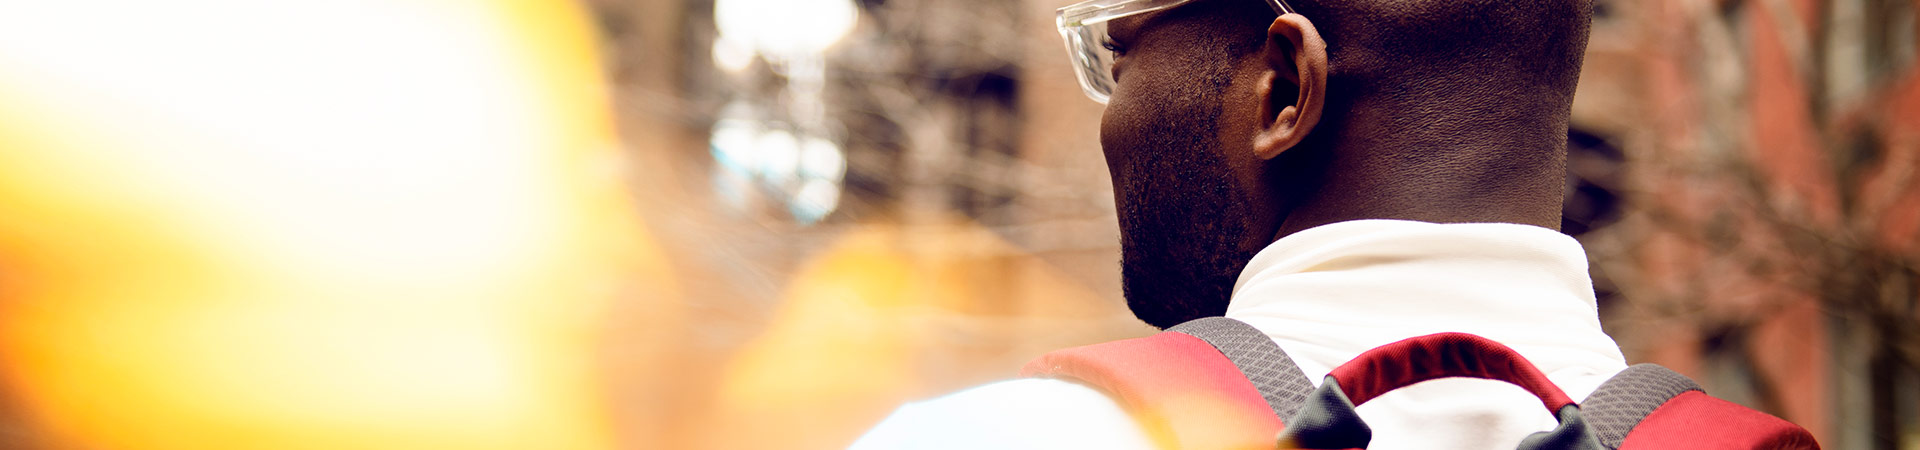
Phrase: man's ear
[1295,89]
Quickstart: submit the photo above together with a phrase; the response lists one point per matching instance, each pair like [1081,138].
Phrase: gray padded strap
[1619,404]
[1261,360]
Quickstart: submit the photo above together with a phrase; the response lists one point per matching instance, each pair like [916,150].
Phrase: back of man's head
[1230,127]
[1530,43]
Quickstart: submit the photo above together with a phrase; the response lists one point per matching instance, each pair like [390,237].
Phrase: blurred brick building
[1743,173]
[1768,202]
[1765,241]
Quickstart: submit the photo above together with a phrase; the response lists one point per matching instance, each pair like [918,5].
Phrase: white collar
[1328,293]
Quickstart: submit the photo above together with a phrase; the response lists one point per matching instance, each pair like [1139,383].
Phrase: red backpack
[1218,383]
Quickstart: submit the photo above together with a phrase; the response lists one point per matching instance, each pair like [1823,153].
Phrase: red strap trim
[1442,355]
[1694,420]
[1181,390]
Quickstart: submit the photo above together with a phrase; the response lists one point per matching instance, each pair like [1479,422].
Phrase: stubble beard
[1182,220]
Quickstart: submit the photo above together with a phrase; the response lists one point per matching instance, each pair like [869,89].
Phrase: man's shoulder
[1021,413]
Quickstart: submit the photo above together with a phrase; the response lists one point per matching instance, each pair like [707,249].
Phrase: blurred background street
[722,224]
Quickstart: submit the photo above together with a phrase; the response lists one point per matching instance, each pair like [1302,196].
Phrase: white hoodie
[1325,295]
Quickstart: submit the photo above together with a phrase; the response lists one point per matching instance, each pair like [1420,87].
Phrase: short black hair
[1538,42]
[1529,41]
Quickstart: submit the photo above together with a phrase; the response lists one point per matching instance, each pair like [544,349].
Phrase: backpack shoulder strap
[1272,372]
[1650,407]
[1185,386]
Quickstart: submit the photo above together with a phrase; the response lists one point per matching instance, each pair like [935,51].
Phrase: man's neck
[1459,162]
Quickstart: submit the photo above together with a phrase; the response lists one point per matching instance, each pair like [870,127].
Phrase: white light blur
[785,28]
[789,160]
[779,154]
[734,146]
[814,200]
[732,143]
[821,160]
[732,55]
[800,170]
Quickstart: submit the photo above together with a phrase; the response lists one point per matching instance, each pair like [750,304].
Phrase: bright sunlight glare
[306,224]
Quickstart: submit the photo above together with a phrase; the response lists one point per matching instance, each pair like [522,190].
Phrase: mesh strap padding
[1620,403]
[1262,361]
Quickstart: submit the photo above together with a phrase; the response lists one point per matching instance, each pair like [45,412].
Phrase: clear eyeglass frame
[1084,26]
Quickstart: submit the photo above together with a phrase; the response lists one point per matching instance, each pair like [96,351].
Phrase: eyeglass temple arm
[1281,7]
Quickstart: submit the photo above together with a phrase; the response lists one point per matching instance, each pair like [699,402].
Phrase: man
[1340,174]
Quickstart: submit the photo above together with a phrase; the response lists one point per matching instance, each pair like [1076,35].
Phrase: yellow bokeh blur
[866,321]
[308,224]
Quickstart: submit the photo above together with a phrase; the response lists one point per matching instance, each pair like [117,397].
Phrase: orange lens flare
[307,224]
